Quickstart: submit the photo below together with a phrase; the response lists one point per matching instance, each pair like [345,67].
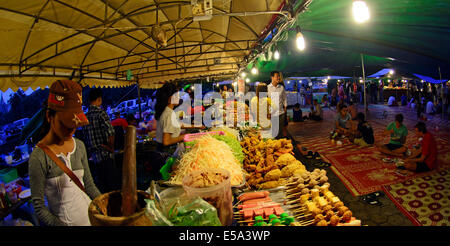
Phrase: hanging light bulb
[276,55]
[234,83]
[243,74]
[254,70]
[391,72]
[300,40]
[247,80]
[360,11]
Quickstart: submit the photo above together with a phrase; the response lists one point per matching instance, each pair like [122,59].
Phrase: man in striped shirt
[99,141]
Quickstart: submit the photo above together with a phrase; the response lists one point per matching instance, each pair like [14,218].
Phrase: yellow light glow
[254,70]
[276,55]
[360,11]
[300,41]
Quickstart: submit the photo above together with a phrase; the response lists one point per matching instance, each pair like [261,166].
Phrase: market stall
[250,181]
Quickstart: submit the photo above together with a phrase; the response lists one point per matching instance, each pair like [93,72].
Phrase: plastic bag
[155,215]
[195,213]
[182,211]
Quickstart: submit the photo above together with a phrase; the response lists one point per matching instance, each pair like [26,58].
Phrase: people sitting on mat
[392,101]
[438,108]
[297,113]
[316,111]
[430,107]
[398,133]
[364,132]
[423,158]
[341,127]
[339,106]
[403,100]
[325,103]
[352,110]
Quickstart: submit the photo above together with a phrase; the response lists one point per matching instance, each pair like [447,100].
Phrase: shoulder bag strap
[61,165]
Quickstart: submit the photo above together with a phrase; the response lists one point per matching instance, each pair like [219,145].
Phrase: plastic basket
[8,174]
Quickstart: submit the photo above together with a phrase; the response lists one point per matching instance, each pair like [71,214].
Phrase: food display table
[270,186]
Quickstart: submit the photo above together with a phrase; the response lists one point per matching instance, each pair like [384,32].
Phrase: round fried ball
[305,175]
[301,186]
[323,179]
[300,180]
[342,210]
[338,204]
[329,214]
[318,218]
[322,223]
[328,208]
[316,211]
[334,220]
[313,183]
[305,191]
[347,216]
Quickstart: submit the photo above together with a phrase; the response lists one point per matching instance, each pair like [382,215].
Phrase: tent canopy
[429,80]
[101,40]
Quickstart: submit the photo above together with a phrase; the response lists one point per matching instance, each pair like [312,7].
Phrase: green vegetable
[259,219]
[196,213]
[234,145]
[258,224]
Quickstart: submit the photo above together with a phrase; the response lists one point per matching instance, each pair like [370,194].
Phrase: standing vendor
[279,98]
[168,127]
[67,203]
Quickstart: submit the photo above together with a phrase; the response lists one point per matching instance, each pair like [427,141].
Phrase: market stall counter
[268,186]
[397,92]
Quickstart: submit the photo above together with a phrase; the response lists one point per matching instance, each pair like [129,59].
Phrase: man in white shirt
[429,108]
[391,101]
[274,88]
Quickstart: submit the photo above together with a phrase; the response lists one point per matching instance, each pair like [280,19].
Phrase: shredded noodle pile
[207,153]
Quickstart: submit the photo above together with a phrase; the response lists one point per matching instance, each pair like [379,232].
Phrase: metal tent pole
[442,91]
[364,81]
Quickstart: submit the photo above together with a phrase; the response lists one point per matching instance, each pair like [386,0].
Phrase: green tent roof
[410,36]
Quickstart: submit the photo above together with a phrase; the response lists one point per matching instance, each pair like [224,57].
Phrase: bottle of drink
[4,197]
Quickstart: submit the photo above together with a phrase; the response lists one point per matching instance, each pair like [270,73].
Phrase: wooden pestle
[129,182]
